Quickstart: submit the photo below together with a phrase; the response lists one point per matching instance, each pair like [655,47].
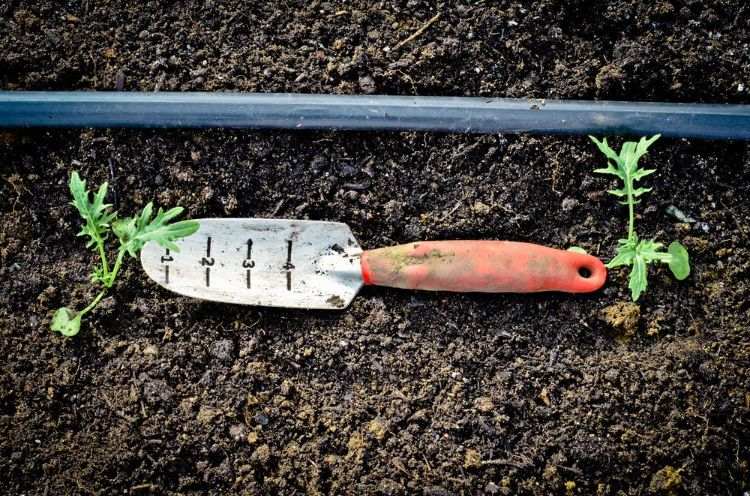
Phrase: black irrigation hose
[381,113]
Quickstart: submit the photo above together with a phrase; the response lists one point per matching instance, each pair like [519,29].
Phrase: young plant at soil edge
[632,251]
[131,232]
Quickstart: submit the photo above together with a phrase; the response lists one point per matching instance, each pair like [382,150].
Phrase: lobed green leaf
[639,191]
[621,192]
[96,214]
[135,232]
[641,173]
[606,149]
[625,254]
[638,278]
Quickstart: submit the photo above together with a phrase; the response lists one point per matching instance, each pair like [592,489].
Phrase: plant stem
[631,206]
[102,253]
[631,212]
[93,303]
[116,268]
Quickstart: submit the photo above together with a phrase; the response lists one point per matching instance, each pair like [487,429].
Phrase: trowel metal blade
[268,262]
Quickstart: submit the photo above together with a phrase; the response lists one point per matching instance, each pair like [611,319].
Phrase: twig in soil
[410,80]
[524,463]
[159,82]
[418,32]
[570,469]
[145,487]
[111,164]
[429,468]
[451,211]
[504,462]
[278,207]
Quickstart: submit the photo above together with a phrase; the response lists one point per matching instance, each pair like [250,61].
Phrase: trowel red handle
[482,266]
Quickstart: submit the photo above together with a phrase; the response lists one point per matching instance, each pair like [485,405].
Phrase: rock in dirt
[223,350]
[609,77]
[261,455]
[377,429]
[472,459]
[155,391]
[484,404]
[237,432]
[436,491]
[480,208]
[261,419]
[389,486]
[356,447]
[367,85]
[287,388]
[622,316]
[569,204]
[207,414]
[151,351]
[666,480]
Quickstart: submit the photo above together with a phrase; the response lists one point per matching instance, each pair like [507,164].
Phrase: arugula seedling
[632,251]
[131,232]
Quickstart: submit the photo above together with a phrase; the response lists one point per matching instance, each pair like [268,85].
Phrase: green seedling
[131,233]
[632,251]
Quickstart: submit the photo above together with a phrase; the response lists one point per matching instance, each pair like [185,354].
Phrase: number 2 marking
[208,261]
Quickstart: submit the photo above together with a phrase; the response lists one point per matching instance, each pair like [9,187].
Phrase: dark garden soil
[403,392]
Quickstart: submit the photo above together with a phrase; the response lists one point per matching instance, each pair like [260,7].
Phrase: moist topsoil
[403,392]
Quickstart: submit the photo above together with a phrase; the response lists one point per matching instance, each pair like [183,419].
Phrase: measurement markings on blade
[248,264]
[249,253]
[164,259]
[288,266]
[208,262]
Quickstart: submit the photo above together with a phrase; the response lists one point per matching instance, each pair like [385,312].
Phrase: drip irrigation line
[20,109]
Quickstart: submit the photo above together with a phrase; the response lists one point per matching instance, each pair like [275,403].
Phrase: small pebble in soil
[611,376]
[156,391]
[261,455]
[491,488]
[207,414]
[377,428]
[287,388]
[367,85]
[569,204]
[480,208]
[261,419]
[484,404]
[237,432]
[151,351]
[223,350]
[472,459]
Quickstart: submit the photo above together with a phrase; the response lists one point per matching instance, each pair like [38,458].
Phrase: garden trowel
[317,264]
